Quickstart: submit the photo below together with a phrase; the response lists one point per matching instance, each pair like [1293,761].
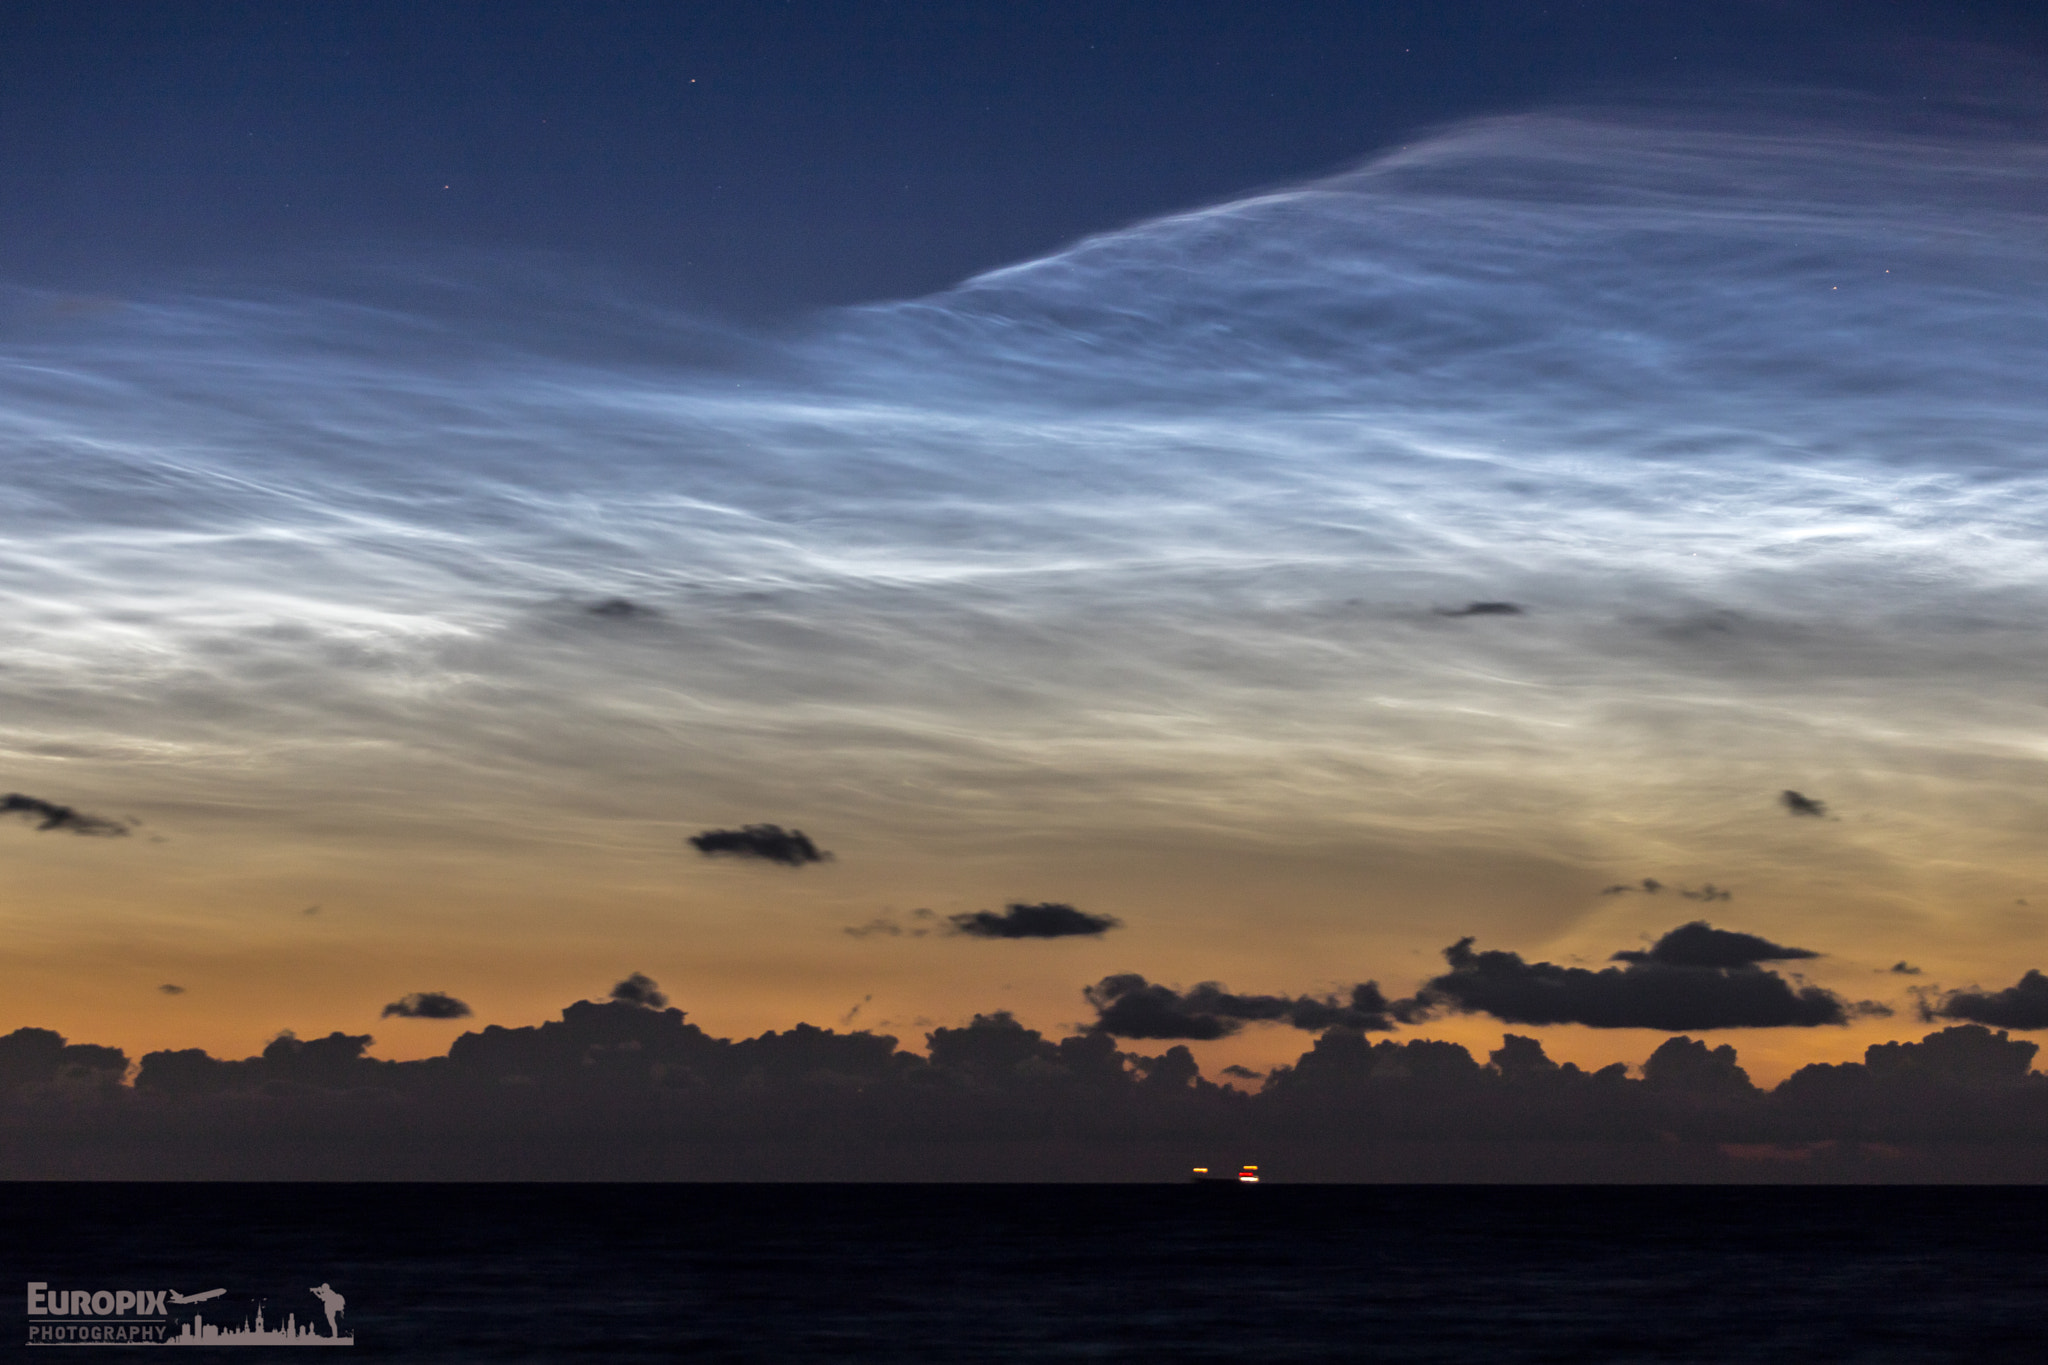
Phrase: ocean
[782,1273]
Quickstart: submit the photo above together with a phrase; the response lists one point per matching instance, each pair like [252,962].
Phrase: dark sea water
[780,1273]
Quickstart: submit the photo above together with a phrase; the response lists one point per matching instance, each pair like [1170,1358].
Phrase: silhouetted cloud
[1796,804]
[1969,1054]
[40,1056]
[1903,969]
[995,1050]
[618,1090]
[1648,993]
[49,815]
[1482,609]
[1129,1006]
[770,843]
[1049,919]
[1700,944]
[620,609]
[168,989]
[1521,1058]
[426,1005]
[2023,1005]
[639,989]
[1689,1065]
[1650,886]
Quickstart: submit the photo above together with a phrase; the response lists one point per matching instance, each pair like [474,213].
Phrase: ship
[1245,1175]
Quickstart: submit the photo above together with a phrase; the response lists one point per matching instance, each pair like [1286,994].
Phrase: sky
[1289,497]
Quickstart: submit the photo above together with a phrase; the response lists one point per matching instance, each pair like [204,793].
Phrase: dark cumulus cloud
[1049,919]
[31,1056]
[1686,1064]
[168,989]
[2023,1005]
[426,1005]
[640,989]
[1649,886]
[48,815]
[1129,1006]
[1903,968]
[769,843]
[1483,609]
[1700,944]
[1674,993]
[614,1090]
[1797,804]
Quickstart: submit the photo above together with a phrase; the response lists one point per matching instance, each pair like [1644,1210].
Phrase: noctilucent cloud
[1303,582]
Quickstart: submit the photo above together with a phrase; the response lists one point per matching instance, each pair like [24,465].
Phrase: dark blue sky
[764,157]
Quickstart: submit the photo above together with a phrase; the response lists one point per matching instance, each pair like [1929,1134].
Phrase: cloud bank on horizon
[628,1086]
[1562,481]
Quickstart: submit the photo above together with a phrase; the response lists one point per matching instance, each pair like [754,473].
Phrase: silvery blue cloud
[1162,529]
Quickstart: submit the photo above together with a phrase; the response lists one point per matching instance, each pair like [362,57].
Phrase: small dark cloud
[1482,609]
[639,989]
[1903,969]
[1796,804]
[48,815]
[1243,1073]
[1649,886]
[426,1005]
[621,609]
[769,843]
[1047,920]
[310,910]
[1674,995]
[1700,944]
[168,989]
[880,924]
[1709,893]
[888,926]
[1129,1006]
[2022,1005]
